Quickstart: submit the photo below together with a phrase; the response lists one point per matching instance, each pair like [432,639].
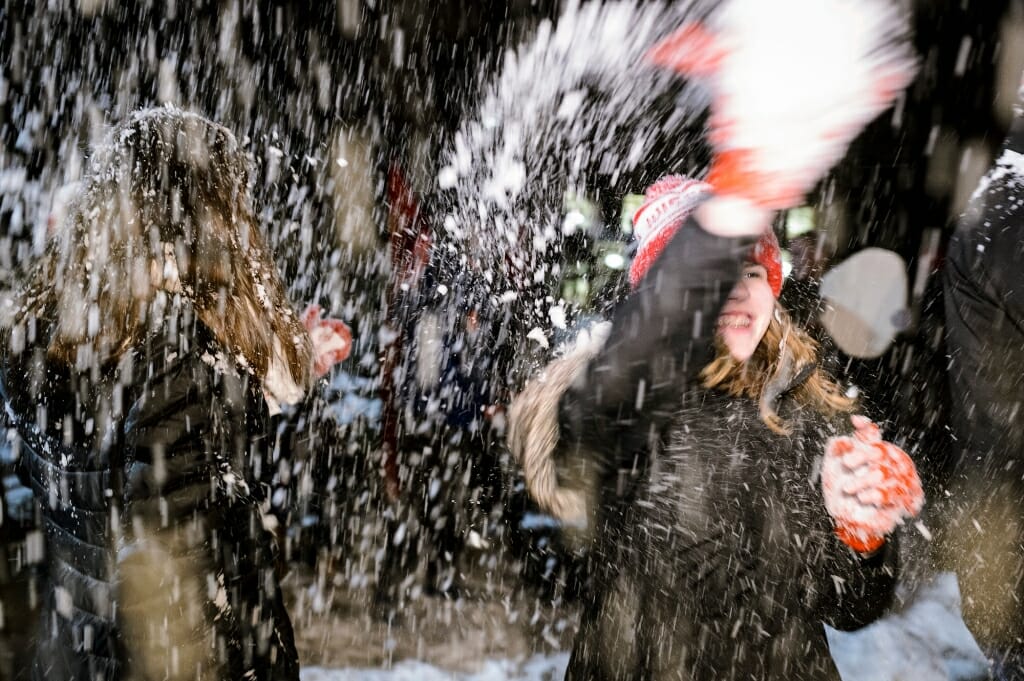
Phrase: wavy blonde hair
[164,207]
[783,353]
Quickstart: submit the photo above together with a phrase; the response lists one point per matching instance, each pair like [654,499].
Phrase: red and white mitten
[870,486]
[332,339]
[792,83]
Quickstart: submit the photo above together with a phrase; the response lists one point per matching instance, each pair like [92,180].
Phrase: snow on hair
[165,208]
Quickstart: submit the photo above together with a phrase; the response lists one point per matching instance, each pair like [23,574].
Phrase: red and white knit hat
[667,204]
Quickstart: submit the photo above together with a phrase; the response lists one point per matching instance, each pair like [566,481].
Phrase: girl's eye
[752,274]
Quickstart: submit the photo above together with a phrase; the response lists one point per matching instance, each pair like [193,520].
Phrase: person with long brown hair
[763,506]
[149,347]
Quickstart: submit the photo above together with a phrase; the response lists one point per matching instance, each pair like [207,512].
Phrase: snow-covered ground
[924,640]
[536,668]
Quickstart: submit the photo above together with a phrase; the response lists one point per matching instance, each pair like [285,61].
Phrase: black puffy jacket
[984,297]
[980,522]
[159,565]
[724,564]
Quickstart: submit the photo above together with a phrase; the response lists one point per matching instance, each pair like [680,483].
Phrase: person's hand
[332,339]
[870,486]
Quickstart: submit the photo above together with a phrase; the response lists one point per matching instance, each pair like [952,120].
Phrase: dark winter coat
[981,520]
[984,296]
[724,565]
[159,565]
[725,562]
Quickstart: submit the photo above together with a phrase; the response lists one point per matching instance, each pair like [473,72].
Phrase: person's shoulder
[986,251]
[29,376]
[173,373]
[712,415]
[811,427]
[996,209]
[182,355]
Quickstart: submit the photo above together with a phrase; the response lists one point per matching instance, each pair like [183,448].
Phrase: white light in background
[614,261]
[799,221]
[787,263]
[630,204]
[574,219]
[447,178]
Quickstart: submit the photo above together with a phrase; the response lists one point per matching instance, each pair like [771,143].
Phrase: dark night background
[390,83]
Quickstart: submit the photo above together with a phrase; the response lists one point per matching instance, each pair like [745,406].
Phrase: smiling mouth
[734,321]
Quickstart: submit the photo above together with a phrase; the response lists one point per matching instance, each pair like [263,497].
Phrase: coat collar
[790,376]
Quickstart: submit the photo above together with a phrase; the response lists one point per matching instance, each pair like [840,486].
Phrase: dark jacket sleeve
[661,337]
[854,590]
[195,516]
[186,437]
[861,589]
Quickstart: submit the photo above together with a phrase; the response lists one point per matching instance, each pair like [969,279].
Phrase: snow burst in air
[576,101]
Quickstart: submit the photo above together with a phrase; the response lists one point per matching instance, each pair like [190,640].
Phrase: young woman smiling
[732,515]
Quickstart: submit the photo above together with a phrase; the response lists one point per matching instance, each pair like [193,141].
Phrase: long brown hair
[783,353]
[164,208]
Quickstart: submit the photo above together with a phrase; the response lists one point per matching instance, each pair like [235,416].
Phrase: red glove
[870,486]
[332,339]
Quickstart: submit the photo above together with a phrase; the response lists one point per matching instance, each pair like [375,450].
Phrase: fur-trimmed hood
[533,433]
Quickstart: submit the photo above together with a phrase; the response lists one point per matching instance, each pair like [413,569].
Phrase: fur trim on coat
[533,434]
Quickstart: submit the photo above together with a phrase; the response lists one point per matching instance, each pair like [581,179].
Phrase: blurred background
[354,112]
